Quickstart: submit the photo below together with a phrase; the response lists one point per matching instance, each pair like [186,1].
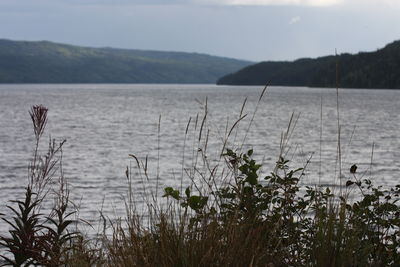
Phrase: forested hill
[379,69]
[47,62]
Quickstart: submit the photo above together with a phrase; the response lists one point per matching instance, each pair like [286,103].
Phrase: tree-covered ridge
[379,69]
[47,62]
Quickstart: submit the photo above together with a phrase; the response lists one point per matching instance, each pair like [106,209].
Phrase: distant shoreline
[378,69]
[198,84]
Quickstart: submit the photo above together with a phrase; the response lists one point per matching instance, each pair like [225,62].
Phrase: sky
[255,30]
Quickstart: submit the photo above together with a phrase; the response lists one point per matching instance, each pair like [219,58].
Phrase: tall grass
[224,211]
[36,238]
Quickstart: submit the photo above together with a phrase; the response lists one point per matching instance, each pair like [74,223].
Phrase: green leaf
[170,192]
[353,168]
[252,178]
[197,202]
[187,191]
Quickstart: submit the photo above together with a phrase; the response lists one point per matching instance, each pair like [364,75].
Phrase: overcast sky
[247,29]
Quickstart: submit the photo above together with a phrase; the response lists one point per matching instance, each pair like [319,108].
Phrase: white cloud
[294,20]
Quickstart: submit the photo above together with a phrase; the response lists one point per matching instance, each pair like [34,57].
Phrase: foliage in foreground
[267,222]
[36,238]
[247,220]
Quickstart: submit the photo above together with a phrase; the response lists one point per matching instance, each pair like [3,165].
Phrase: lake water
[104,123]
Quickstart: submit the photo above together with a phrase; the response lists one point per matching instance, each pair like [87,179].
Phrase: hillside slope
[379,69]
[47,62]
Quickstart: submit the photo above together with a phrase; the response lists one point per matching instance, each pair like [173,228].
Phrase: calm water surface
[104,123]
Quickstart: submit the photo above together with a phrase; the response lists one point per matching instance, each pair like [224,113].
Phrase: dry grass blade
[204,119]
[253,116]
[39,119]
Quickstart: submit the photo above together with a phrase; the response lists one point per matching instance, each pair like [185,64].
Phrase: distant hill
[47,62]
[379,69]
